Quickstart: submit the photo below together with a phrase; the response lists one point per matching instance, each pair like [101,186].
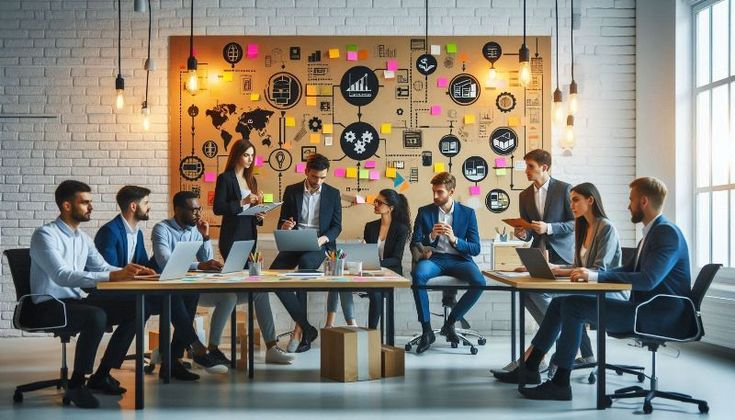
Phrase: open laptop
[536,264]
[298,240]
[236,259]
[178,263]
[367,253]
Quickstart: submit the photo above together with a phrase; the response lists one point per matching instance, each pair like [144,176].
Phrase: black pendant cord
[148,70]
[119,38]
[557,43]
[191,33]
[524,22]
[571,35]
[426,27]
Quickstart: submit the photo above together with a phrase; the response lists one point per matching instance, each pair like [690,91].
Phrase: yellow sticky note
[469,119]
[311,90]
[514,121]
[439,167]
[334,53]
[290,122]
[267,198]
[227,76]
[310,101]
[351,172]
[255,96]
[386,128]
[327,128]
[315,138]
[390,172]
[325,90]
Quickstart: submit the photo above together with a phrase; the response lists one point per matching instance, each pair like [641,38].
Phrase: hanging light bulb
[569,140]
[120,87]
[524,56]
[146,116]
[492,77]
[573,101]
[192,83]
[558,108]
[119,81]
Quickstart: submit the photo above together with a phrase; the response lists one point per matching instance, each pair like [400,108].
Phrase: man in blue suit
[446,232]
[661,266]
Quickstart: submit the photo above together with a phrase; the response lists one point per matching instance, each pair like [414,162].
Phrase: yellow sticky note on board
[255,97]
[327,128]
[315,138]
[386,128]
[267,198]
[310,101]
[334,53]
[390,172]
[227,76]
[514,121]
[439,167]
[469,119]
[290,122]
[325,90]
[311,90]
[351,173]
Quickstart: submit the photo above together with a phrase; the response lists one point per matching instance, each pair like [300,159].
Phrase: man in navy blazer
[661,266]
[447,234]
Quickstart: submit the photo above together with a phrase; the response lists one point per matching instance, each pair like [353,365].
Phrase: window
[714,132]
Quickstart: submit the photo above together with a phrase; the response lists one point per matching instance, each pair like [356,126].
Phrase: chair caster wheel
[641,378]
[608,402]
[647,408]
[454,345]
[18,397]
[481,341]
[473,350]
[619,372]
[407,347]
[591,379]
[704,408]
[465,343]
[65,401]
[149,369]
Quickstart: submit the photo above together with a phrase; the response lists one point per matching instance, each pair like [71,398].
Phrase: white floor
[442,383]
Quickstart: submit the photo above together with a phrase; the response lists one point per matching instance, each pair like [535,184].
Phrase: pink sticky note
[301,167]
[442,82]
[370,164]
[436,110]
[374,175]
[500,162]
[475,190]
[392,65]
[351,55]
[340,172]
[258,161]
[252,51]
[210,177]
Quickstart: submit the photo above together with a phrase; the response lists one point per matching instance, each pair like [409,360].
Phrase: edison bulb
[492,76]
[146,117]
[120,100]
[524,74]
[573,103]
[569,133]
[559,113]
[192,84]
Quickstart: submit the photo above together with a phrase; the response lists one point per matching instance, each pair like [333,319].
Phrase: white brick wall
[58,58]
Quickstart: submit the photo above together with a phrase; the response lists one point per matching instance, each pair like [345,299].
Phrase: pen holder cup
[334,267]
[503,237]
[354,268]
[255,268]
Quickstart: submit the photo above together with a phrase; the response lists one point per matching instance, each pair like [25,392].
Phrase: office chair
[654,339]
[19,261]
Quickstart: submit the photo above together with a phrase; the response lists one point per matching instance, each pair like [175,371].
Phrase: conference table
[384,281]
[523,283]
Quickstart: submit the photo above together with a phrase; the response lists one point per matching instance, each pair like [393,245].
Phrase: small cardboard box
[242,331]
[392,361]
[242,361]
[350,354]
[153,340]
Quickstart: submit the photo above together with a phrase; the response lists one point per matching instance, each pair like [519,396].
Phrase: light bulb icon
[280,157]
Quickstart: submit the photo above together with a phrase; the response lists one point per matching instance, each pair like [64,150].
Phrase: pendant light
[119,81]
[145,110]
[524,56]
[192,84]
[558,104]
[573,101]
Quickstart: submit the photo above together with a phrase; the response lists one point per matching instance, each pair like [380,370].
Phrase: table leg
[601,308]
[251,341]
[390,318]
[382,316]
[513,352]
[164,344]
[233,338]
[522,338]
[139,339]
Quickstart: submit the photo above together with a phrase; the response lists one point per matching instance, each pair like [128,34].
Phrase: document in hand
[260,208]
[518,223]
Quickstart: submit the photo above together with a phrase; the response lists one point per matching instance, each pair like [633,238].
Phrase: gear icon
[315,124]
[367,137]
[350,137]
[359,147]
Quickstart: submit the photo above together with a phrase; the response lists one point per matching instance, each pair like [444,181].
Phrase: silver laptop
[299,240]
[536,264]
[238,256]
[179,262]
[367,253]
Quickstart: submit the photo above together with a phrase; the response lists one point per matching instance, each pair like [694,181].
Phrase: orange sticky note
[362,55]
[327,128]
[315,138]
[311,90]
[325,90]
[514,121]
[334,53]
[310,101]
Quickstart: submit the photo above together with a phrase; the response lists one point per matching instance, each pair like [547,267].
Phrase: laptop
[367,253]
[536,264]
[298,240]
[178,263]
[236,259]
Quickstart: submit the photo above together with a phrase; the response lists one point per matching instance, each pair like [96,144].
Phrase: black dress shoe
[548,391]
[81,397]
[427,339]
[106,385]
[310,334]
[219,356]
[178,371]
[513,377]
[448,332]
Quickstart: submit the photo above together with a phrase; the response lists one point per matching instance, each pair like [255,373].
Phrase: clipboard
[260,208]
[519,223]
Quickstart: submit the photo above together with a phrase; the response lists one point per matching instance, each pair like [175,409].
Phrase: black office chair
[19,261]
[655,339]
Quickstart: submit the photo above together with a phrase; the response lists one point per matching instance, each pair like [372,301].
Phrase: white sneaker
[585,360]
[276,355]
[293,344]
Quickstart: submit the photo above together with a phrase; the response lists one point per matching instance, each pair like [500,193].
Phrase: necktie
[638,255]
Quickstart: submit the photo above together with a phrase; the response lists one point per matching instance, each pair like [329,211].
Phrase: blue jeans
[348,304]
[448,265]
[565,319]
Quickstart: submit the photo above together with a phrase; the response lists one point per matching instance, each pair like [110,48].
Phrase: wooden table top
[525,281]
[270,279]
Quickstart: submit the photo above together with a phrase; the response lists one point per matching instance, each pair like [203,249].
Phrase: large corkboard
[293,95]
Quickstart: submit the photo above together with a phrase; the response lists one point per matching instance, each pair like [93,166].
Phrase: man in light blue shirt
[63,261]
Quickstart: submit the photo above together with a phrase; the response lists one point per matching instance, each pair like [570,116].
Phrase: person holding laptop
[63,261]
[450,230]
[235,191]
[186,225]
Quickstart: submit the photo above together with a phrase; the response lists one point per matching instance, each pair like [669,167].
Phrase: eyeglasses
[378,202]
[194,210]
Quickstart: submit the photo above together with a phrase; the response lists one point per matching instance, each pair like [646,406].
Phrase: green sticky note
[451,48]
[267,198]
[351,47]
[500,171]
[364,174]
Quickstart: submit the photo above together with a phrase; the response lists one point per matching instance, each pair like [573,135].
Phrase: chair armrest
[696,314]
[19,308]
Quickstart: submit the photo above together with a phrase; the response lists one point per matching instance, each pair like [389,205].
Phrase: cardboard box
[350,354]
[242,361]
[392,361]
[242,331]
[153,340]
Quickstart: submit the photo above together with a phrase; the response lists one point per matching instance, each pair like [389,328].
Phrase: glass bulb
[524,74]
[573,103]
[559,115]
[569,137]
[192,84]
[492,77]
[146,117]
[120,100]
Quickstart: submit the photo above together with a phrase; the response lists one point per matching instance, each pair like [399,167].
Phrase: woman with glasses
[235,191]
